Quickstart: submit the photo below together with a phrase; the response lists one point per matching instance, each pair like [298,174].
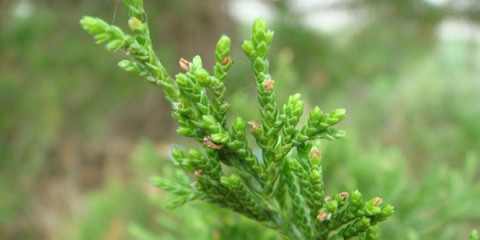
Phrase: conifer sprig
[283,189]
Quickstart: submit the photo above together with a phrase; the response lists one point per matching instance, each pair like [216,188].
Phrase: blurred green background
[79,138]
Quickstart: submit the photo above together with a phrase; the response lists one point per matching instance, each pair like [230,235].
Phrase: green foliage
[434,201]
[435,205]
[64,112]
[256,187]
[474,235]
[113,216]
[48,102]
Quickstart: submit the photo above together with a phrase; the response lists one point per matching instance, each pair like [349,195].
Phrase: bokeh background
[79,138]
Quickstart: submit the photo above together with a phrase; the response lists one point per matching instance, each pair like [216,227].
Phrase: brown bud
[254,125]
[322,216]
[196,184]
[132,22]
[269,85]
[378,202]
[207,140]
[185,65]
[179,106]
[225,105]
[344,195]
[198,173]
[315,152]
[159,83]
[326,198]
[226,60]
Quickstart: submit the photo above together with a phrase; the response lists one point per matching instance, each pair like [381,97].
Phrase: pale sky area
[322,16]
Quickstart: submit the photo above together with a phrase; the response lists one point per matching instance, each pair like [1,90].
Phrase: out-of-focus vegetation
[139,210]
[73,164]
